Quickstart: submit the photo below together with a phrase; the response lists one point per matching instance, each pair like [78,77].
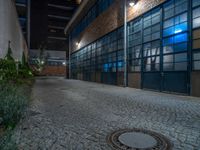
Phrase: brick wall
[111,19]
[54,71]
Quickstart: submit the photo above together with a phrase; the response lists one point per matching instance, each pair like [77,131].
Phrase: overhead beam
[61,7]
[59,17]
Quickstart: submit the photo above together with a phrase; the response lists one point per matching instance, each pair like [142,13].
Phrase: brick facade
[54,71]
[111,19]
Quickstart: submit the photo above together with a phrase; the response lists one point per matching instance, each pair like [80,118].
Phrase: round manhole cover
[138,139]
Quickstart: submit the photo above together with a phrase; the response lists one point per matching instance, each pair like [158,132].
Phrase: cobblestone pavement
[78,115]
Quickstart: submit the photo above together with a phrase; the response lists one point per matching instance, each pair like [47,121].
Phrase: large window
[95,11]
[175,35]
[196,34]
[151,56]
[151,42]
[134,45]
[157,41]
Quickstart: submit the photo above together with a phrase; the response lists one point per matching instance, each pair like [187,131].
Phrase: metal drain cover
[138,139]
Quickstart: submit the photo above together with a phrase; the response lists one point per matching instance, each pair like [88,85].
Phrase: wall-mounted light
[78,44]
[64,63]
[132,3]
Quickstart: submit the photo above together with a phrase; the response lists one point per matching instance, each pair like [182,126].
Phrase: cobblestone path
[78,115]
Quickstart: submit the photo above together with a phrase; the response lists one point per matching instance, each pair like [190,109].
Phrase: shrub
[7,142]
[13,101]
[8,70]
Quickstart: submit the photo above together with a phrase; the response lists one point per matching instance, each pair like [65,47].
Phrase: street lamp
[131,3]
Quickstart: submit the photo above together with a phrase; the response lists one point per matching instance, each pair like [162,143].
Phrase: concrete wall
[111,19]
[10,30]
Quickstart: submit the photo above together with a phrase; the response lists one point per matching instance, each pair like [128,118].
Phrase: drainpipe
[69,57]
[125,43]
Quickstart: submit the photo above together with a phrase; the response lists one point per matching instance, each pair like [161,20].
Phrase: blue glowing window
[168,41]
[168,31]
[114,65]
[110,65]
[180,47]
[175,30]
[105,67]
[180,28]
[120,64]
[180,38]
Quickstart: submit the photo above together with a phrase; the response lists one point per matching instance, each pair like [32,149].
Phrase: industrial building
[145,44]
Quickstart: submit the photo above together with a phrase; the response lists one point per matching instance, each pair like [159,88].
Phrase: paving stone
[73,115]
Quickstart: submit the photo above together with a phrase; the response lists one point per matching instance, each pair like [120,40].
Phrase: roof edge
[77,13]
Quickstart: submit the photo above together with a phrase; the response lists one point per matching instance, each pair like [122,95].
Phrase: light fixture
[78,44]
[132,3]
[64,63]
[42,62]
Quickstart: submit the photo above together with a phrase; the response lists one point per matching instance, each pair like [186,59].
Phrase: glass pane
[196,56]
[156,19]
[168,58]
[180,47]
[180,28]
[147,50]
[196,22]
[155,36]
[196,3]
[168,41]
[196,12]
[155,60]
[197,65]
[169,13]
[168,31]
[168,49]
[180,38]
[168,66]
[148,68]
[181,57]
[180,66]
[181,8]
[169,23]
[181,18]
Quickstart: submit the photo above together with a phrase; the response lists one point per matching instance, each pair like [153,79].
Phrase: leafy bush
[11,71]
[8,70]
[15,79]
[7,142]
[13,100]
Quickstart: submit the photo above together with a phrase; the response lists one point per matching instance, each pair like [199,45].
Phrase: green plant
[11,71]
[24,69]
[7,142]
[12,104]
[9,53]
[8,71]
[42,59]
